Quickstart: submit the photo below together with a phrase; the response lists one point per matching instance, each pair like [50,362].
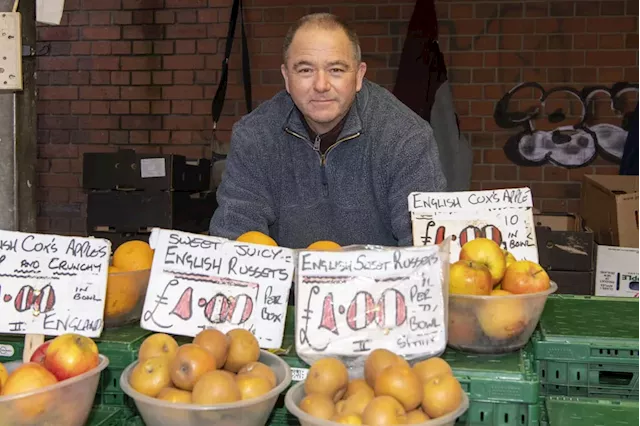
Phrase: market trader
[334,157]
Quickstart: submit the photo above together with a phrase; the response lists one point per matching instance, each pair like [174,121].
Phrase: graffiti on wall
[558,127]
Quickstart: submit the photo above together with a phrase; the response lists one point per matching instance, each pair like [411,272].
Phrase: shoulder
[387,119]
[269,115]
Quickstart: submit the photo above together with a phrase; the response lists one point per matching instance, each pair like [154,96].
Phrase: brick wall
[142,73]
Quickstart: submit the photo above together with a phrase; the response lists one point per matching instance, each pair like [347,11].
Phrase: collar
[352,124]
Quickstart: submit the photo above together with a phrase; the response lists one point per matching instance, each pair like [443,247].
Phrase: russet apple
[525,276]
[151,376]
[488,253]
[189,365]
[70,355]
[469,277]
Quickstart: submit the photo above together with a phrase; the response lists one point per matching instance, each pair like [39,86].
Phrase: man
[334,157]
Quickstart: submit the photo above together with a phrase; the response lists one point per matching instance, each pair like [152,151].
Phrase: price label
[199,282]
[352,302]
[52,284]
[299,374]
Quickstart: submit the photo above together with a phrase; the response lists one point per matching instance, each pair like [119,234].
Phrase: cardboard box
[563,243]
[617,271]
[609,207]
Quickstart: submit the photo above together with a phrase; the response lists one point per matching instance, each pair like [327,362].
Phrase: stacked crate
[588,347]
[130,193]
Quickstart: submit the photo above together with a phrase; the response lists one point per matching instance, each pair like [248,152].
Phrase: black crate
[140,211]
[574,282]
[562,243]
[127,170]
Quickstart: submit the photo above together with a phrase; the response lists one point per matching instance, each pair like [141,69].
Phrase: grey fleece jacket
[277,183]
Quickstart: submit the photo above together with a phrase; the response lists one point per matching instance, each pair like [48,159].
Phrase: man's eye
[304,70]
[337,70]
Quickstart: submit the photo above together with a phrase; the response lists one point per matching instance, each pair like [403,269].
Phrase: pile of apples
[390,393]
[486,269]
[215,368]
[501,322]
[56,360]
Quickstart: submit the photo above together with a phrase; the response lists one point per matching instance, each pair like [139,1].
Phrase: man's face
[322,75]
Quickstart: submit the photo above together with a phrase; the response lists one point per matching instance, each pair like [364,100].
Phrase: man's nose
[322,82]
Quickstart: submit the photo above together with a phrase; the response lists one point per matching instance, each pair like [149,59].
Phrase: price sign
[52,284]
[504,215]
[349,303]
[199,282]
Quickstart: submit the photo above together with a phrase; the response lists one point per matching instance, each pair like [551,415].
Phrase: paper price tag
[52,284]
[504,216]
[352,302]
[199,282]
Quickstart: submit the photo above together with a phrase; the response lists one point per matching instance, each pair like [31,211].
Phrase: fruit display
[495,300]
[217,377]
[391,393]
[127,283]
[57,386]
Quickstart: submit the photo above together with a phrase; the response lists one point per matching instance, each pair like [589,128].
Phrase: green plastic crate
[503,389]
[105,416]
[578,345]
[563,411]
[11,347]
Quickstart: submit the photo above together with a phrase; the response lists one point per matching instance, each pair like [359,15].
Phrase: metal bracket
[10,51]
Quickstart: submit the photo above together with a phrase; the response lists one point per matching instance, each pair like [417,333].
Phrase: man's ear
[362,69]
[285,75]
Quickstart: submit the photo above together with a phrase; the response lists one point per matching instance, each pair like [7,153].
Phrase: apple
[469,277]
[488,253]
[39,353]
[70,355]
[525,276]
[508,257]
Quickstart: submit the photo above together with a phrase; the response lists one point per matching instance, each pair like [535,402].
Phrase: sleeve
[245,199]
[414,167]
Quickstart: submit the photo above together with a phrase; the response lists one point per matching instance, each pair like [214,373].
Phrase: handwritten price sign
[505,216]
[50,284]
[352,302]
[200,282]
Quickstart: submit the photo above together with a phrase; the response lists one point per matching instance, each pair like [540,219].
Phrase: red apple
[70,355]
[39,354]
[488,253]
[525,276]
[468,277]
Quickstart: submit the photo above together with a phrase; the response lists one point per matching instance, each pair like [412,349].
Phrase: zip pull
[316,143]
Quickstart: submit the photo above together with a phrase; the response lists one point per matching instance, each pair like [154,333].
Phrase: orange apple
[509,258]
[488,253]
[70,355]
[469,277]
[29,377]
[4,374]
[525,276]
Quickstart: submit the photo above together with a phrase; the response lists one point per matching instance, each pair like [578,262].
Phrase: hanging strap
[218,100]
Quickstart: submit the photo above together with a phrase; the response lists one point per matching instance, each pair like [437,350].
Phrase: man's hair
[325,21]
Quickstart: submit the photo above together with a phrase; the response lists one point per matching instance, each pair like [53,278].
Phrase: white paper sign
[198,281]
[52,284]
[349,303]
[503,215]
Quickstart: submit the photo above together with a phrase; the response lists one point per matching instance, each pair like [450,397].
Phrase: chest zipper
[323,157]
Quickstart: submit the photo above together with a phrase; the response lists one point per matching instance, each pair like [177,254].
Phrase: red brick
[142,47]
[484,75]
[507,59]
[57,151]
[100,77]
[536,9]
[466,59]
[183,77]
[142,17]
[121,47]
[78,18]
[140,78]
[99,63]
[141,122]
[162,77]
[184,123]
[57,33]
[143,32]
[101,48]
[99,18]
[555,59]
[58,180]
[566,25]
[163,47]
[207,16]
[185,47]
[140,107]
[180,31]
[57,63]
[101,33]
[140,92]
[182,62]
[119,107]
[610,75]
[99,92]
[163,107]
[120,78]
[80,48]
[80,107]
[611,41]
[505,172]
[182,92]
[121,17]
[141,63]
[142,4]
[98,107]
[585,41]
[139,136]
[159,136]
[485,42]
[58,93]
[98,122]
[172,4]
[207,46]
[555,174]
[613,25]
[604,58]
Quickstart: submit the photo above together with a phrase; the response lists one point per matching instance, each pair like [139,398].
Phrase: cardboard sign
[51,284]
[349,303]
[503,215]
[199,282]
